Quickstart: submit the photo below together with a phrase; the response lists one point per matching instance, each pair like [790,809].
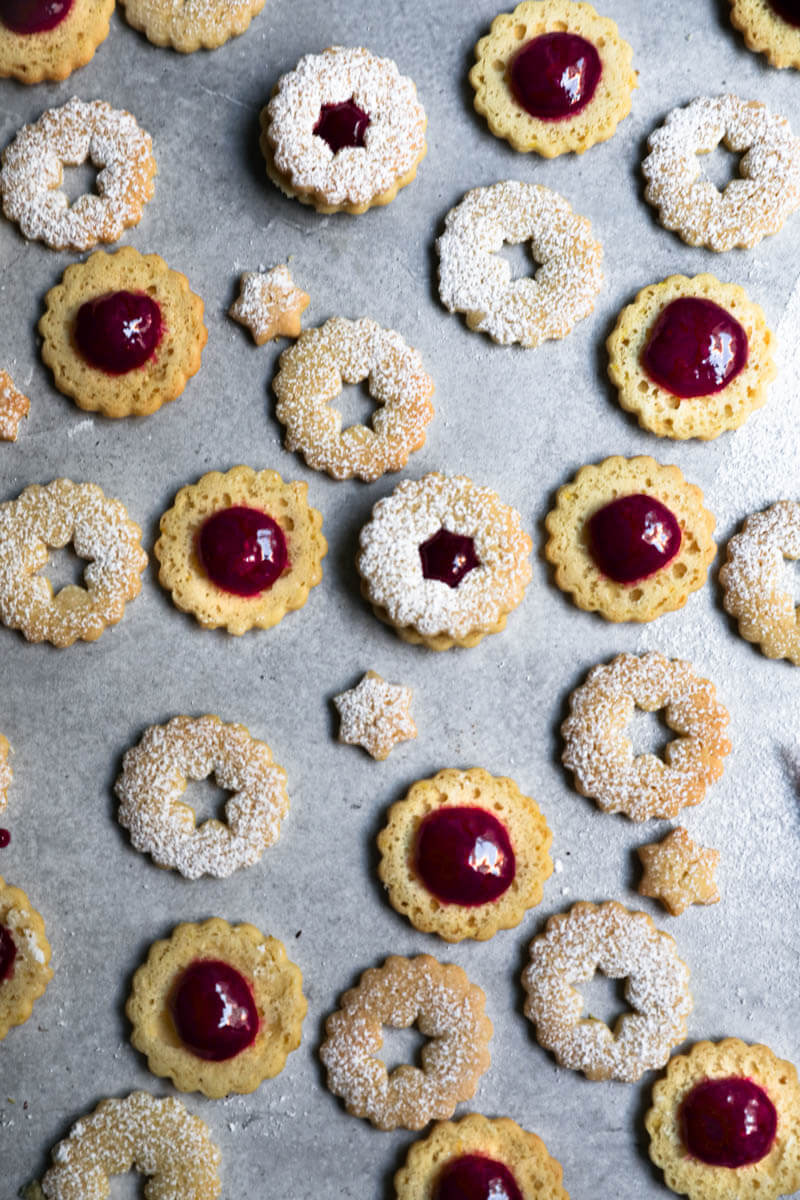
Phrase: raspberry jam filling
[5,838]
[243,551]
[555,75]
[463,855]
[633,537]
[214,1011]
[728,1122]
[8,952]
[342,125]
[448,557]
[118,332]
[475,1177]
[695,348]
[788,9]
[33,16]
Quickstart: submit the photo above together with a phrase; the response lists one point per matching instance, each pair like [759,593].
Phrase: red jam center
[464,856]
[788,9]
[728,1122]
[555,75]
[243,551]
[8,952]
[342,125]
[214,1010]
[475,1177]
[695,348]
[633,537]
[448,557]
[118,332]
[33,16]
[5,838]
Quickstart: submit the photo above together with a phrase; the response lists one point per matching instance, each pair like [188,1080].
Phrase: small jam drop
[242,550]
[448,557]
[342,125]
[33,16]
[555,75]
[633,537]
[728,1122]
[8,952]
[788,9]
[214,1011]
[695,348]
[118,332]
[5,838]
[475,1177]
[464,856]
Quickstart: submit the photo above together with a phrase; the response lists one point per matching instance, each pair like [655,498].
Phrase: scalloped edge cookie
[56,53]
[32,972]
[196,25]
[765,32]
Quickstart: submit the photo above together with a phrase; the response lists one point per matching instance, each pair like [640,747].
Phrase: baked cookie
[99,529]
[375,715]
[270,306]
[217,1008]
[725,1122]
[156,773]
[691,357]
[552,76]
[476,280]
[678,872]
[630,539]
[757,593]
[464,854]
[443,561]
[644,786]
[440,1000]
[6,774]
[24,957]
[310,377]
[79,131]
[13,407]
[477,1157]
[240,550]
[122,333]
[49,39]
[752,206]
[770,27]
[343,131]
[192,25]
[623,945]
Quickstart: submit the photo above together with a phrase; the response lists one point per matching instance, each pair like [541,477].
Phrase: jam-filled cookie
[49,39]
[24,957]
[770,27]
[552,76]
[198,25]
[217,1008]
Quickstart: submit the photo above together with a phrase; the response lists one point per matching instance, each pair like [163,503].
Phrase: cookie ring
[752,206]
[55,53]
[155,774]
[766,33]
[476,280]
[369,168]
[756,594]
[201,25]
[99,529]
[310,377]
[623,945]
[601,757]
[24,957]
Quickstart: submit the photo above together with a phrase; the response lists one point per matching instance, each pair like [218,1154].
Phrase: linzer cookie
[13,407]
[678,872]
[199,25]
[49,39]
[771,28]
[24,957]
[758,592]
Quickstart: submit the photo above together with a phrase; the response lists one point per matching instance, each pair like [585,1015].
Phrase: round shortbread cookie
[55,53]
[758,592]
[24,957]
[767,32]
[189,25]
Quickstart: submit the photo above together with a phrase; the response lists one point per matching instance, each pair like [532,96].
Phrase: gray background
[521,421]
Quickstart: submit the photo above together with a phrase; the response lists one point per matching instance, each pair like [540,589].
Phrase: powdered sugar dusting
[375,715]
[13,407]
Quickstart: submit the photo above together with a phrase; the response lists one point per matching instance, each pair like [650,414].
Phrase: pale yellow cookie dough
[31,971]
[56,53]
[766,32]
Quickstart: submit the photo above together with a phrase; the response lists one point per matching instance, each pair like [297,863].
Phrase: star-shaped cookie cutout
[269,305]
[13,407]
[678,872]
[375,715]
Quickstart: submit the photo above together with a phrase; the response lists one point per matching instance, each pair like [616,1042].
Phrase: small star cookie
[13,407]
[375,715]
[678,872]
[269,305]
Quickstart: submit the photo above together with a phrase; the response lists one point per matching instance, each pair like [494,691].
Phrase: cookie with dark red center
[771,28]
[24,957]
[49,39]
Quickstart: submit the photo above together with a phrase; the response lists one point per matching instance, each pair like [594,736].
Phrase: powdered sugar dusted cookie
[49,39]
[770,27]
[476,280]
[758,592]
[269,305]
[679,872]
[375,715]
[24,957]
[13,407]
[189,25]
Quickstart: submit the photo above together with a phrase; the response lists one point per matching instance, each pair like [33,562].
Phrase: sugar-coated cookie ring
[55,53]
[623,945]
[668,586]
[184,574]
[100,531]
[174,358]
[769,1083]
[495,98]
[24,957]
[476,280]
[753,579]
[702,416]
[524,1156]
[155,774]
[750,207]
[267,999]
[374,161]
[482,546]
[767,32]
[480,818]
[310,377]
[601,757]
[196,25]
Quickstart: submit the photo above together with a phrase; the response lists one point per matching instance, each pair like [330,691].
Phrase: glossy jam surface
[475,1177]
[555,75]
[695,348]
[464,856]
[448,557]
[214,1011]
[788,9]
[118,332]
[5,838]
[243,551]
[633,537]
[728,1122]
[33,16]
[8,952]
[342,125]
